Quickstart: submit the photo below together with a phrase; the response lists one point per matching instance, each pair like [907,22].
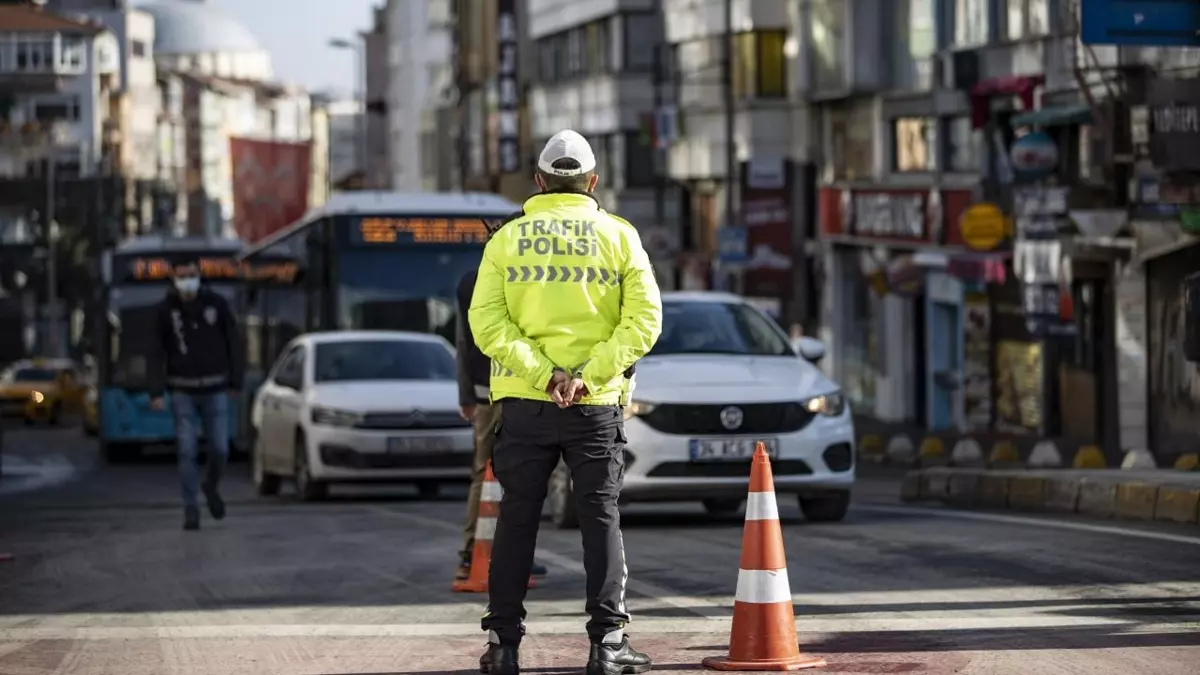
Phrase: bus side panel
[126,417]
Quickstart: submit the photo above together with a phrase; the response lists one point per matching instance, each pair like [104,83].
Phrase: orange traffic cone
[763,636]
[485,531]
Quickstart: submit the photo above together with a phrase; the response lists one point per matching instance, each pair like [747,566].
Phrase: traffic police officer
[564,304]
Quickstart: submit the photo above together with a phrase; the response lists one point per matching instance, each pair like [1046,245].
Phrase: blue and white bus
[136,276]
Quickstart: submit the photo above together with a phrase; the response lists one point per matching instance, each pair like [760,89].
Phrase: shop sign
[983,226]
[1174,106]
[1034,154]
[882,214]
[1037,259]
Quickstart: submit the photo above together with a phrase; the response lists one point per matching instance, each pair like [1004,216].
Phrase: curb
[1162,495]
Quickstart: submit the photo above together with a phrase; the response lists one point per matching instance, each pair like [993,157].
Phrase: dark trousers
[532,437]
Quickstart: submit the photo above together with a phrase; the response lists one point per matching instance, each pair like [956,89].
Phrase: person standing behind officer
[198,359]
[565,303]
[474,405]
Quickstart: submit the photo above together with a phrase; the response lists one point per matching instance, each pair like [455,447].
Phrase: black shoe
[216,505]
[500,660]
[191,518]
[616,659]
[538,570]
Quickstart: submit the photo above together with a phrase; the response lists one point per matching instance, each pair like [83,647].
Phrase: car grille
[757,418]
[348,458]
[414,419]
[779,467]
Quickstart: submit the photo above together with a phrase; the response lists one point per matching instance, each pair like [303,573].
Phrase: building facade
[597,70]
[407,22]
[345,118]
[376,130]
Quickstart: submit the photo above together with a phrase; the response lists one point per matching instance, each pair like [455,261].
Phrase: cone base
[800,662]
[469,586]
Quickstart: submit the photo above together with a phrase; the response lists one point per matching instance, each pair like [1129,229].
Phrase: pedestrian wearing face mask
[197,360]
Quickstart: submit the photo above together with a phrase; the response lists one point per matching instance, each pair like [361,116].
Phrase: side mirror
[811,349]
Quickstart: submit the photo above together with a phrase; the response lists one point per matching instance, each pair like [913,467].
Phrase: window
[359,360]
[971,24]
[1026,18]
[639,160]
[827,33]
[290,373]
[915,144]
[963,146]
[574,53]
[71,53]
[35,55]
[760,66]
[599,46]
[138,48]
[643,34]
[718,328]
[66,110]
[915,44]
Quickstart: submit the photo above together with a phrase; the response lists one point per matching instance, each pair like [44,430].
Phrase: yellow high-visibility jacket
[566,286]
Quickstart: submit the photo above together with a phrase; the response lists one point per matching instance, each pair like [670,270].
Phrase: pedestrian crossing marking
[563,274]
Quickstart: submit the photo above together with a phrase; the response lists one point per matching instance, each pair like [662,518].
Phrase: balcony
[36,63]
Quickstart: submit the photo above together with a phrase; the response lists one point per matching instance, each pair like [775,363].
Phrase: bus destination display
[379,230]
[214,269]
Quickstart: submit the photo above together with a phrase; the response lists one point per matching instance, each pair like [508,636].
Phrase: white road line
[1032,522]
[927,625]
[701,607]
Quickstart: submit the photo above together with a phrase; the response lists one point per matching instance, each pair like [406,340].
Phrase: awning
[1055,116]
[1008,85]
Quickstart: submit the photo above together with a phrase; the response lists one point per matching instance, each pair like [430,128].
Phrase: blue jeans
[214,414]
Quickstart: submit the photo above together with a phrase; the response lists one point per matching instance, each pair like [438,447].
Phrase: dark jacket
[198,346]
[474,369]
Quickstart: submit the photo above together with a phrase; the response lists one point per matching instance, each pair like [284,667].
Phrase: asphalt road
[104,581]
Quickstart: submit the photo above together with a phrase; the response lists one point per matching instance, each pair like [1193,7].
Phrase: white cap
[567,144]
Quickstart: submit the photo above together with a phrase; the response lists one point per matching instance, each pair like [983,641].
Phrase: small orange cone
[763,636]
[485,531]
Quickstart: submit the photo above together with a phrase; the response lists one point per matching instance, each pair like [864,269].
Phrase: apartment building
[375,132]
[598,70]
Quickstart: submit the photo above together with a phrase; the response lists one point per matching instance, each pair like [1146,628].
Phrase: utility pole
[731,160]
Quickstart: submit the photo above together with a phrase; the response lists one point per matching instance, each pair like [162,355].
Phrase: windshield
[383,360]
[131,314]
[718,328]
[35,375]
[404,289]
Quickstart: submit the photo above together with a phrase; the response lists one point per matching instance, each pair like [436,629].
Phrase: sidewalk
[1147,495]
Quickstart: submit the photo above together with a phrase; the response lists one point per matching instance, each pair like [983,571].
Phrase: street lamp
[360,95]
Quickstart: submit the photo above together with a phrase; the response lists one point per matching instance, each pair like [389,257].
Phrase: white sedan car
[369,406]
[722,378]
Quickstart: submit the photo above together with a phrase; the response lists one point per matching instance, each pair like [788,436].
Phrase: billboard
[270,185]
[1146,23]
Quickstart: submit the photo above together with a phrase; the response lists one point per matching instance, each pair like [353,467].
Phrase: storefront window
[861,345]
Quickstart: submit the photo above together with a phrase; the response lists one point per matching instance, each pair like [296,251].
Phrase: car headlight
[829,405]
[638,408]
[37,396]
[335,418]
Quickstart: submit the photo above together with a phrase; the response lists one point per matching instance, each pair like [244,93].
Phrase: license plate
[728,449]
[420,444]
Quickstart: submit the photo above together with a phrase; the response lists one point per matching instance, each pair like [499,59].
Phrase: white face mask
[188,285]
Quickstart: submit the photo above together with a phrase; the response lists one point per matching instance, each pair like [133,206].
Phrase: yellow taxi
[40,390]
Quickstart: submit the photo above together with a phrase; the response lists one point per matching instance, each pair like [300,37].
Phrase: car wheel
[265,484]
[826,508]
[562,501]
[428,489]
[308,489]
[722,508]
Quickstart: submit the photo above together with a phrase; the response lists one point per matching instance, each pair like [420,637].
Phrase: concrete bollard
[910,489]
[1045,455]
[870,449]
[1004,453]
[932,452]
[963,488]
[1062,495]
[993,490]
[967,452]
[1089,457]
[900,450]
[1027,493]
[1097,497]
[1188,462]
[1178,504]
[1138,459]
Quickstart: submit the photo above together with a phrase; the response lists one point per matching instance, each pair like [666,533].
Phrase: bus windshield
[131,314]
[412,289]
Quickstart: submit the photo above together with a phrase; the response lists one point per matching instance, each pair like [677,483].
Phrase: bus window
[403,289]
